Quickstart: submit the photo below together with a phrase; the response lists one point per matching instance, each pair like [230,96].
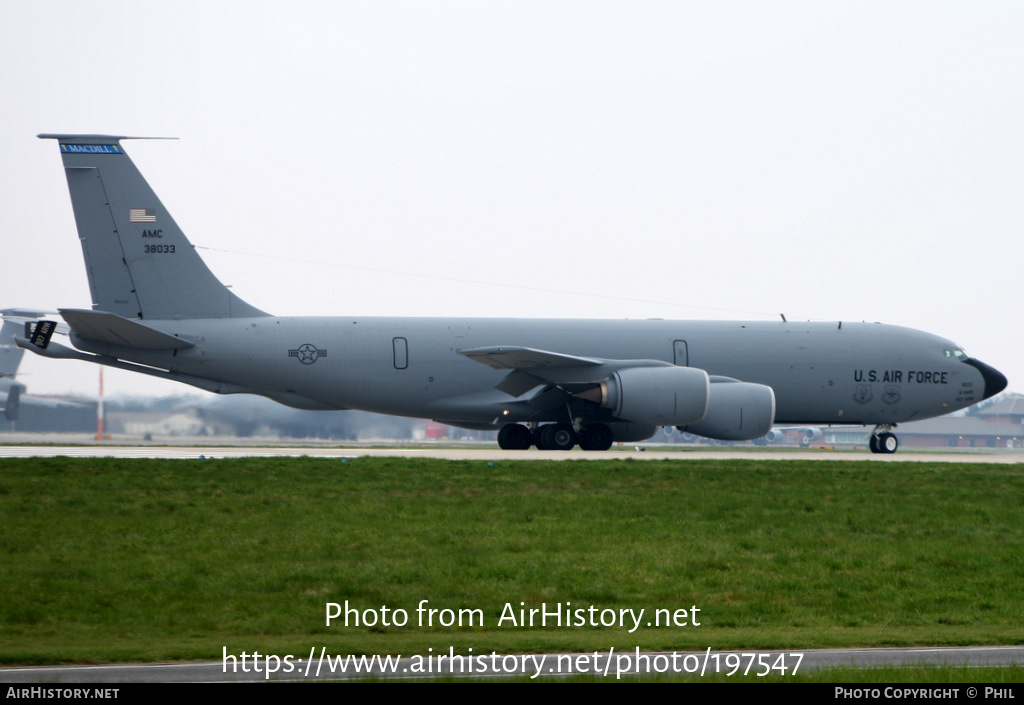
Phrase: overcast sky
[826,160]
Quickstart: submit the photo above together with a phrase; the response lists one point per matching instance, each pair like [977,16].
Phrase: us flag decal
[142,215]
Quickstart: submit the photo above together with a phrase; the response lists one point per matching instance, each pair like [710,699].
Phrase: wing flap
[517,383]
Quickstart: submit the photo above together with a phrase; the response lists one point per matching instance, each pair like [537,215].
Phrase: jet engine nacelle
[654,396]
[810,435]
[738,411]
[631,432]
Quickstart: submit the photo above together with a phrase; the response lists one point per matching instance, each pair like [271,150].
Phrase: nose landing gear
[883,441]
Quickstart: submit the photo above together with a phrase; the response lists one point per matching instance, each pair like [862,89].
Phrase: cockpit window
[956,354]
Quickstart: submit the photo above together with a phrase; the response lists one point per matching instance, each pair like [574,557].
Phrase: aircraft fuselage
[823,373]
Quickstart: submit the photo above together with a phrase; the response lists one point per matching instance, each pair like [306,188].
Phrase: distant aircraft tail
[139,262]
[13,403]
[10,354]
[10,358]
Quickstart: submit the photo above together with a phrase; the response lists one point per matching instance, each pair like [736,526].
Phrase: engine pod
[631,432]
[738,411]
[655,396]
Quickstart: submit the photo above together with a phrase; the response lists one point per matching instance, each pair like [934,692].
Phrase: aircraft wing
[530,367]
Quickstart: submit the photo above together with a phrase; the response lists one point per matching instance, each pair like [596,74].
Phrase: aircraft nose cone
[995,381]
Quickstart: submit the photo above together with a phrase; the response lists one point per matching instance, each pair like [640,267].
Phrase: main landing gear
[555,436]
[514,437]
[882,440]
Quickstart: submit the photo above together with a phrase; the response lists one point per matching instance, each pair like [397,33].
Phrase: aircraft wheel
[884,443]
[595,436]
[536,436]
[557,436]
[514,437]
[888,443]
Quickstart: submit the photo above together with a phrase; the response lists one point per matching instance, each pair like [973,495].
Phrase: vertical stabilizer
[139,262]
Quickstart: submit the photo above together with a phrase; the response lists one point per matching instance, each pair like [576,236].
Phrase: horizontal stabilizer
[15,321]
[20,315]
[112,329]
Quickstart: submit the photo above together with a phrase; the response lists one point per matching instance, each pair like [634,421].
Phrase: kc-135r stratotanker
[157,309]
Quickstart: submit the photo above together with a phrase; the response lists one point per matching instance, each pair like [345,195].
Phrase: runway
[490,452]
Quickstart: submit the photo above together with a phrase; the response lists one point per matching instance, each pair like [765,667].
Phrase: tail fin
[139,262]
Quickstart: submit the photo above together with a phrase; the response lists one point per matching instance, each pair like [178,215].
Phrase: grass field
[134,560]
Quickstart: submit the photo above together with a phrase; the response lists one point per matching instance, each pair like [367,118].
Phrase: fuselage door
[401,346]
[681,356]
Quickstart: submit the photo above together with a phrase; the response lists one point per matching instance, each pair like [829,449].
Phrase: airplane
[157,309]
[807,434]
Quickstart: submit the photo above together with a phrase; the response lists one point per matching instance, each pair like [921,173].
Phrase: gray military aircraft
[157,309]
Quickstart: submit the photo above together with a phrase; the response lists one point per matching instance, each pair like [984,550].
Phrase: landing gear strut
[883,441]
